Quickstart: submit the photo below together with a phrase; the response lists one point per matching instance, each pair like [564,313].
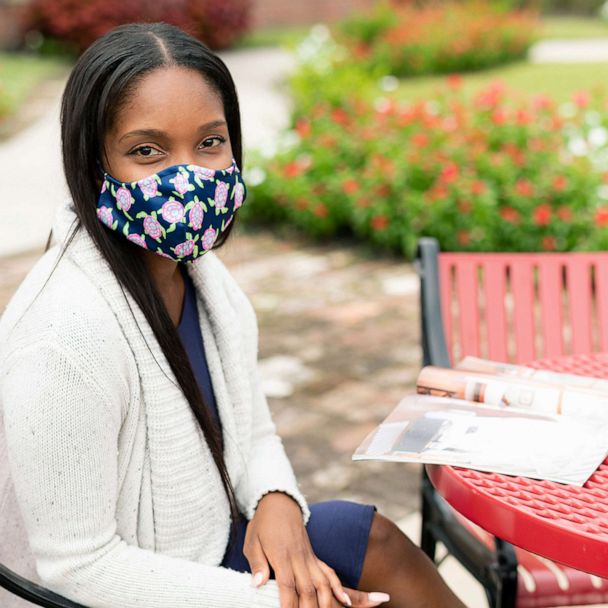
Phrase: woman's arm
[62,436]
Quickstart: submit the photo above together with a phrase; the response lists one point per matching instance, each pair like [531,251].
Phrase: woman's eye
[211,142]
[145,151]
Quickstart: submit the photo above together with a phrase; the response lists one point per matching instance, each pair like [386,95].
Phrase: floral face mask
[178,212]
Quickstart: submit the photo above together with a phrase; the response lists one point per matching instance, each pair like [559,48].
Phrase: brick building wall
[268,13]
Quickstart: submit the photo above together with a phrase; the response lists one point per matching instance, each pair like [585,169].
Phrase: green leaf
[125,229]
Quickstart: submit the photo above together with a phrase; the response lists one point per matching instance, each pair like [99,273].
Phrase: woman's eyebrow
[161,134]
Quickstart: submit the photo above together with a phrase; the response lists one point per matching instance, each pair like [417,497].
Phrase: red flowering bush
[440,38]
[489,173]
[77,23]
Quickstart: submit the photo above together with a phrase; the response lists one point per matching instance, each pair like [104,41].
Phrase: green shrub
[488,173]
[439,38]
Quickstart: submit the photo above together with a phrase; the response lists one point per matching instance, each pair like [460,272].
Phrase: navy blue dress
[338,529]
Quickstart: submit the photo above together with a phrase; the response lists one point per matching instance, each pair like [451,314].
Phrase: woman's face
[172,117]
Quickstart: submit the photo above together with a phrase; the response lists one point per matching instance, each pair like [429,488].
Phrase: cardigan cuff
[291,492]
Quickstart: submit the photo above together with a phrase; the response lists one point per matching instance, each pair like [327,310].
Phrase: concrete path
[570,51]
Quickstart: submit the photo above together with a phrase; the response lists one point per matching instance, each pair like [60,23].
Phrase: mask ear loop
[103,172]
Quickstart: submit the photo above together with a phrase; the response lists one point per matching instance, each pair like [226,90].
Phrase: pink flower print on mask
[148,186]
[124,200]
[221,195]
[230,170]
[239,194]
[152,227]
[105,215]
[172,212]
[163,254]
[202,173]
[208,239]
[181,183]
[184,249]
[138,239]
[104,186]
[196,216]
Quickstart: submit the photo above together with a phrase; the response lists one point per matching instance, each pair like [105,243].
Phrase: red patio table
[564,523]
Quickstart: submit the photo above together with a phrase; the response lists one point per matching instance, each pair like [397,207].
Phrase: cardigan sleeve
[62,434]
[268,467]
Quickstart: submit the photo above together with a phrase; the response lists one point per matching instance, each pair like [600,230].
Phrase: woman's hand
[276,538]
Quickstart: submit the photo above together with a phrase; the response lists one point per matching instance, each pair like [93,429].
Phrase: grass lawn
[556,80]
[573,27]
[19,75]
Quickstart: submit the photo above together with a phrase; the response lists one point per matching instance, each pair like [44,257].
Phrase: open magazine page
[475,364]
[513,392]
[439,430]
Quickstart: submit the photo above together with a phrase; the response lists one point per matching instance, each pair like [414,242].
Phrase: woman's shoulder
[57,303]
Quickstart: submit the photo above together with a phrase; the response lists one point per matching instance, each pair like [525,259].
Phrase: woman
[145,463]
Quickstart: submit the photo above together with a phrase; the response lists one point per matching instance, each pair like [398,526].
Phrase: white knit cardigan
[118,493]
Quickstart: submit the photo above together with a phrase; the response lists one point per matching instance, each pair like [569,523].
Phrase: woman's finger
[323,585]
[305,584]
[364,599]
[334,582]
[252,549]
[287,588]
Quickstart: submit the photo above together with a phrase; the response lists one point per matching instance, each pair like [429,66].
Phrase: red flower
[549,243]
[454,81]
[524,188]
[509,215]
[449,173]
[339,116]
[601,216]
[320,210]
[581,99]
[420,140]
[350,185]
[478,187]
[542,215]
[523,117]
[499,117]
[302,203]
[292,169]
[382,190]
[303,128]
[438,192]
[560,183]
[327,141]
[464,237]
[564,213]
[379,222]
[542,102]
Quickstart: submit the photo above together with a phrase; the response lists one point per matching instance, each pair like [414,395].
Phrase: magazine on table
[504,419]
[475,364]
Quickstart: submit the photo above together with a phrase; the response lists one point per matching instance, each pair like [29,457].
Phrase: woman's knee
[383,534]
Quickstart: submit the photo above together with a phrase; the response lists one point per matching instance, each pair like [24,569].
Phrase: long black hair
[108,71]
